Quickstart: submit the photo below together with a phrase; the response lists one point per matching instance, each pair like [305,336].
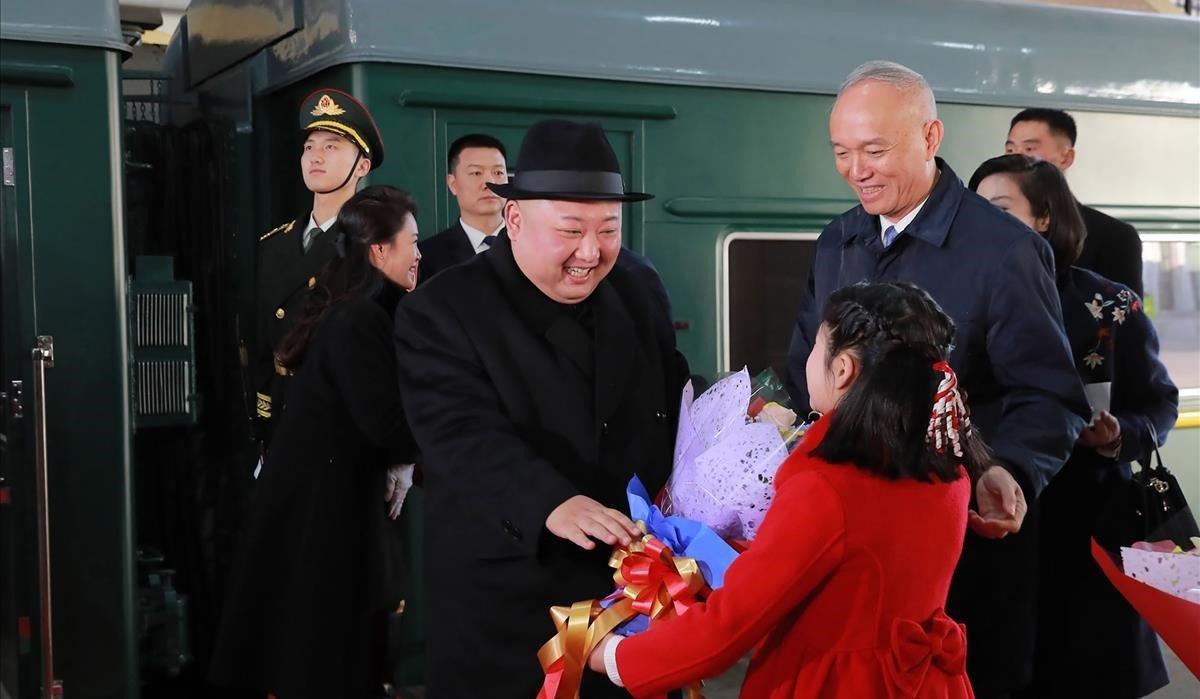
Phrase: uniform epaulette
[285,228]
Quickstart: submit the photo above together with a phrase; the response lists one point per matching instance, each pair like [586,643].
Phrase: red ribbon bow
[940,642]
[657,581]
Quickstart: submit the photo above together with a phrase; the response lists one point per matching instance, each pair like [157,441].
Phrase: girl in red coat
[841,593]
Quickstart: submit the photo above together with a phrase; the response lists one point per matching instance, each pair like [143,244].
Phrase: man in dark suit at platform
[1112,248]
[473,162]
[537,382]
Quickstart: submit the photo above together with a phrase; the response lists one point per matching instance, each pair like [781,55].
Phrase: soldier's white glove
[399,480]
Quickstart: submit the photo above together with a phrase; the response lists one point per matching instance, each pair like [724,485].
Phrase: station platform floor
[1184,684]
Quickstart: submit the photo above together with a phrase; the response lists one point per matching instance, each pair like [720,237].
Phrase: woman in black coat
[316,571]
[1090,641]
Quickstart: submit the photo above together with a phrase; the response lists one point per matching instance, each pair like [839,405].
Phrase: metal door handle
[43,359]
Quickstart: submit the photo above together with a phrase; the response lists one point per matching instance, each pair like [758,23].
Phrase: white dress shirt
[312,224]
[477,236]
[885,222]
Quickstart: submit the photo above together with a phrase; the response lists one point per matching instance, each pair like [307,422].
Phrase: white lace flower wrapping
[725,464]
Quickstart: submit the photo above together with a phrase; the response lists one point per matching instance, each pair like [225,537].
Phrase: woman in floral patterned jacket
[1090,641]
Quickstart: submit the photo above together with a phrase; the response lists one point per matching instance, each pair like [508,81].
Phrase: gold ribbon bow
[655,582]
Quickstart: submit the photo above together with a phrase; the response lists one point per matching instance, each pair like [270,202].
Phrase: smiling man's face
[884,142]
[564,247]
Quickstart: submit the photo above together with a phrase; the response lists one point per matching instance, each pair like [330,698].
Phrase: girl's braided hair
[882,424]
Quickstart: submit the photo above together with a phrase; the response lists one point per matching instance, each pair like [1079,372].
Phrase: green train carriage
[63,355]
[721,111]
[718,109]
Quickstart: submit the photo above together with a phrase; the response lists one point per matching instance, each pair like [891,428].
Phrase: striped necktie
[889,236]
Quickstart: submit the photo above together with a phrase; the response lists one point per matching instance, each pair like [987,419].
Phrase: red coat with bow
[840,595]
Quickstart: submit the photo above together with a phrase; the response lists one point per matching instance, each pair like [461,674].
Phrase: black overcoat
[444,250]
[995,278]
[1112,249]
[316,563]
[519,403]
[286,273]
[1090,641]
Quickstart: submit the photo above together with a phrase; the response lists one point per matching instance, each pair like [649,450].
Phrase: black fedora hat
[338,112]
[565,160]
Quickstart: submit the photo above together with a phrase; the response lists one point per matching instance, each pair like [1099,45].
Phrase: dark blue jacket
[995,278]
[1090,642]
[1112,340]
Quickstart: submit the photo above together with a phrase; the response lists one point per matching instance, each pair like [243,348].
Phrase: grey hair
[898,76]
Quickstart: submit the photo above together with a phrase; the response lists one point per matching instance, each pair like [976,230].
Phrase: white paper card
[1099,396]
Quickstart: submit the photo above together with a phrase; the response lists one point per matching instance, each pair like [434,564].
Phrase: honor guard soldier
[342,144]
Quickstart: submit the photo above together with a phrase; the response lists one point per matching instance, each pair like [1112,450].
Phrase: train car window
[1171,277]
[764,276]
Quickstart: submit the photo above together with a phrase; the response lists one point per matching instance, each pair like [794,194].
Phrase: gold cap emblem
[327,107]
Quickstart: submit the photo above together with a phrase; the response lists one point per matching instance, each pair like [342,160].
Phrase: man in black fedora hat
[538,379]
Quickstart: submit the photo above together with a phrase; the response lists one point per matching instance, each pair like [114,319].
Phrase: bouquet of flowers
[1162,582]
[677,563]
[1165,566]
[729,444]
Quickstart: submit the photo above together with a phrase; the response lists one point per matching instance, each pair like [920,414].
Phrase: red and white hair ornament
[948,420]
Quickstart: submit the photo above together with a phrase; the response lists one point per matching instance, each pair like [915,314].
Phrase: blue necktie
[488,240]
[889,236]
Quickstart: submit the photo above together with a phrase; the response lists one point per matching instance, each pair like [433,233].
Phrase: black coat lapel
[461,248]
[289,267]
[615,342]
[543,316]
[570,339]
[322,250]
[281,259]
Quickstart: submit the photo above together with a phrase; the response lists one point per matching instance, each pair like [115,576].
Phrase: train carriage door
[625,135]
[18,553]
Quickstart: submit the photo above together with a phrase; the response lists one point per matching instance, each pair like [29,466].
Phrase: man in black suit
[1112,248]
[537,381]
[474,161]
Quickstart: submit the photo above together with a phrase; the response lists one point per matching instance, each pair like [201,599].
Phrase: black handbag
[1150,508]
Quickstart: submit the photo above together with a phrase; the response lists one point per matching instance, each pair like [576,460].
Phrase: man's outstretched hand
[1000,505]
[581,519]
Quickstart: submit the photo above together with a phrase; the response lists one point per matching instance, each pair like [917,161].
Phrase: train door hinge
[10,167]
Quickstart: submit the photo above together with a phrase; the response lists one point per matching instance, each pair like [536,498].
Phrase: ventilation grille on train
[161,333]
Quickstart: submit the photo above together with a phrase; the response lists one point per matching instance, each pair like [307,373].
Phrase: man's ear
[934,131]
[363,167]
[1068,159]
[452,184]
[512,219]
